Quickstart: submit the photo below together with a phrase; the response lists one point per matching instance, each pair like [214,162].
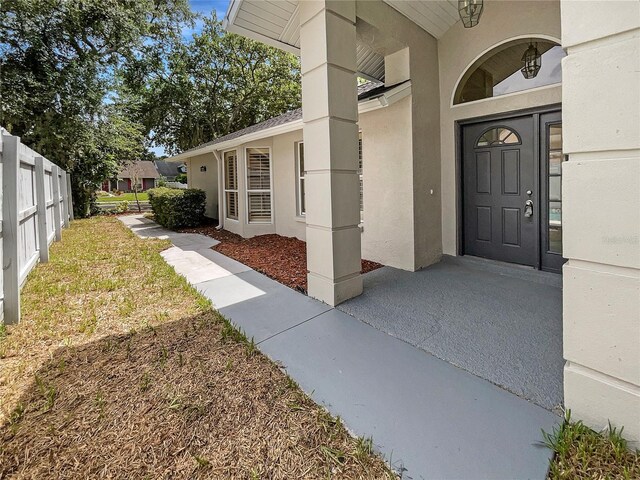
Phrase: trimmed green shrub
[174,208]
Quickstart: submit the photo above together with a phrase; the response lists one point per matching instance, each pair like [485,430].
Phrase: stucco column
[601,212]
[330,113]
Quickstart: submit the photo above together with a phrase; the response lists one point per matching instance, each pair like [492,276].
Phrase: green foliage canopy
[190,92]
[59,63]
[91,84]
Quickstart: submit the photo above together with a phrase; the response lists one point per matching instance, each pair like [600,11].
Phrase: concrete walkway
[430,419]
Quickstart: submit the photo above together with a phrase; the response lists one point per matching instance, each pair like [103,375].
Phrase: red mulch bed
[282,258]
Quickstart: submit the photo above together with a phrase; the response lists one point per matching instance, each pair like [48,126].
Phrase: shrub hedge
[174,208]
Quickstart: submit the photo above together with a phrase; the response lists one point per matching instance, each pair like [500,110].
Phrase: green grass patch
[583,454]
[129,197]
[117,353]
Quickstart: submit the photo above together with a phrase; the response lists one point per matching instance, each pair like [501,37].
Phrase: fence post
[57,214]
[10,221]
[65,199]
[41,205]
[69,197]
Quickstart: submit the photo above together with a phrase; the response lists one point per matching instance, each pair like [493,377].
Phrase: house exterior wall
[387,180]
[425,205]
[284,158]
[601,205]
[207,181]
[457,50]
[388,185]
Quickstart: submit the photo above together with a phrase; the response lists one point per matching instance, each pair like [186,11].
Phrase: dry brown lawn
[119,369]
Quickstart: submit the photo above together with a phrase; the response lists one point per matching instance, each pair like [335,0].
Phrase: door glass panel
[555,137]
[498,136]
[555,162]
[554,189]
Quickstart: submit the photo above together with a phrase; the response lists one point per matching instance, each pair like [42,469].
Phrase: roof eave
[229,25]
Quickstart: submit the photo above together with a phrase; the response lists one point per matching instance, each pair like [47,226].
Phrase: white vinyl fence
[181,186]
[36,205]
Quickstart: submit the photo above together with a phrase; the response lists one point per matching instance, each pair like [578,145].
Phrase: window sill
[300,219]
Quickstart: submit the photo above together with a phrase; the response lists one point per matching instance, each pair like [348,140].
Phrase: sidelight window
[555,158]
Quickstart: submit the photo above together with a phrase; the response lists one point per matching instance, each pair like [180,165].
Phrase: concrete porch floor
[427,417]
[500,322]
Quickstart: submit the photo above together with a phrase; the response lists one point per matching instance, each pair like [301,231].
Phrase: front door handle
[528,208]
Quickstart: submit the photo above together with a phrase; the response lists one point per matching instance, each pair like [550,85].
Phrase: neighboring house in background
[143,171]
[170,170]
[462,154]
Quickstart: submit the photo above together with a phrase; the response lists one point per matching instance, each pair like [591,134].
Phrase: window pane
[232,205]
[230,171]
[301,159]
[555,227]
[258,176]
[555,163]
[555,184]
[302,207]
[555,137]
[259,207]
[498,136]
[498,72]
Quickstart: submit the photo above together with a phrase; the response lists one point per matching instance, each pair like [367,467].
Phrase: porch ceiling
[277,23]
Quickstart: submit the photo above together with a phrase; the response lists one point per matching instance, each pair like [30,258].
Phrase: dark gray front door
[499,172]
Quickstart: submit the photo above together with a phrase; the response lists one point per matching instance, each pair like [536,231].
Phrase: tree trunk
[135,193]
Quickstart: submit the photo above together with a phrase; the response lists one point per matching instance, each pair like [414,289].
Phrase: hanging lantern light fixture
[532,61]
[470,12]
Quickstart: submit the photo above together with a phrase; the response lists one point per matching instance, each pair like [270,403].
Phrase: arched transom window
[495,137]
[498,71]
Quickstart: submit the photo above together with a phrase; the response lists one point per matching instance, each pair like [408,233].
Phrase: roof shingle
[141,169]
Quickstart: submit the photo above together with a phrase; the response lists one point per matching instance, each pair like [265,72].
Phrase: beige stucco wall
[457,50]
[288,222]
[425,120]
[601,213]
[207,181]
[387,185]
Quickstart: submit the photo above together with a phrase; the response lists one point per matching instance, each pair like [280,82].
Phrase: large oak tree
[92,84]
[193,91]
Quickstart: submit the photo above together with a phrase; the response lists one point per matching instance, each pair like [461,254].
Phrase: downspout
[220,191]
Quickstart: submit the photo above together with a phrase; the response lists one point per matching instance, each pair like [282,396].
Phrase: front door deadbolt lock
[528,208]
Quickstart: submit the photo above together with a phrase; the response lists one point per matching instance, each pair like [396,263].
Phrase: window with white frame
[231,184]
[300,177]
[258,185]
